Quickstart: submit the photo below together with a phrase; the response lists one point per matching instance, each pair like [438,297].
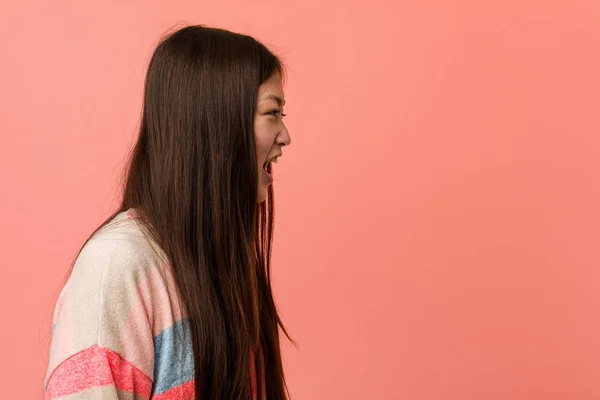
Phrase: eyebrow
[273,97]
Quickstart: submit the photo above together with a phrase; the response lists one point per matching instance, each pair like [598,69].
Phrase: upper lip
[275,156]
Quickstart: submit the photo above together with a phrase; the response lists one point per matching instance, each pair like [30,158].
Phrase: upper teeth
[274,160]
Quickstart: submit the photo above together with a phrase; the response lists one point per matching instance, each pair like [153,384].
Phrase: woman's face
[269,130]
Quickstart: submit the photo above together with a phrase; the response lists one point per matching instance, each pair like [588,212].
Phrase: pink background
[438,211]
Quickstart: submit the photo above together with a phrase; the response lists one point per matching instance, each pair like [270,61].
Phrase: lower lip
[269,176]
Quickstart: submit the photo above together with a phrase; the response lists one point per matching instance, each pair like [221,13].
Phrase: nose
[284,138]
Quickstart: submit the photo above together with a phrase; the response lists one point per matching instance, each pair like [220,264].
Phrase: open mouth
[267,165]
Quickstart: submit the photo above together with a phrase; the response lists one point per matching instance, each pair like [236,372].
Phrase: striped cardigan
[118,331]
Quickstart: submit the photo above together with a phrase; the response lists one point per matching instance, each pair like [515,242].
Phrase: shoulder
[121,242]
[112,266]
[117,254]
[108,282]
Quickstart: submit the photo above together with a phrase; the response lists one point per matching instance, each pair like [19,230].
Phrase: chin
[262,192]
[261,196]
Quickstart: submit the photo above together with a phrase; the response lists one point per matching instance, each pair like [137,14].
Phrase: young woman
[170,298]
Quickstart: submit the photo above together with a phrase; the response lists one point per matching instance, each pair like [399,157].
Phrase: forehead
[271,89]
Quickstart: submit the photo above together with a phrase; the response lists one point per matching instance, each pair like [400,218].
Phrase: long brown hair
[192,179]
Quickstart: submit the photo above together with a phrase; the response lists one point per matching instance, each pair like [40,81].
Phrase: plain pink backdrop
[438,213]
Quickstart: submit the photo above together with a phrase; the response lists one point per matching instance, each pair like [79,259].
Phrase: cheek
[264,137]
[262,150]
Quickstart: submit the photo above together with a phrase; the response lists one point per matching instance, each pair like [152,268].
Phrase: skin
[270,131]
